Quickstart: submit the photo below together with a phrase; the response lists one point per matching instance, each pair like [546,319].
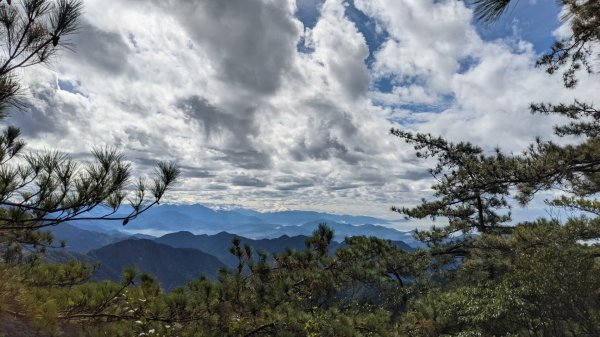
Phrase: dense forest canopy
[480,275]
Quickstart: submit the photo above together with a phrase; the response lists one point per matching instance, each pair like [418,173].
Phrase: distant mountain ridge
[173,259]
[199,219]
[199,215]
[82,240]
[218,244]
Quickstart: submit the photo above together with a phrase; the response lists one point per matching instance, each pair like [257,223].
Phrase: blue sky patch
[530,20]
[465,64]
[69,86]
[384,84]
[444,103]
[375,35]
[308,12]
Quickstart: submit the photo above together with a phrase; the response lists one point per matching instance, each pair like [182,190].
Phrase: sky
[287,104]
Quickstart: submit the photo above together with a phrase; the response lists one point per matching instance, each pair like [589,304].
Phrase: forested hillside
[172,267]
[478,272]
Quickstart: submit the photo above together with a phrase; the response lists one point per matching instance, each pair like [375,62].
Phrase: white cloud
[220,88]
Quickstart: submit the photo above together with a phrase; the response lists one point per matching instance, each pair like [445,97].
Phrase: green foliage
[43,189]
[489,277]
[471,187]
[481,275]
[548,286]
[31,32]
[300,293]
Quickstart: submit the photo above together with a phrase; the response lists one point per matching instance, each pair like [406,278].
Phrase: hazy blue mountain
[403,245]
[83,240]
[218,244]
[243,216]
[203,218]
[98,226]
[174,258]
[199,219]
[185,216]
[171,266]
[301,217]
[343,230]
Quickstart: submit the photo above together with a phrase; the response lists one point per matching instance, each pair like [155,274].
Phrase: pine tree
[499,278]
[473,189]
[43,189]
[39,190]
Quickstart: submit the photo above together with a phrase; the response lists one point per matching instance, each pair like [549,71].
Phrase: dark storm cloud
[33,121]
[106,51]
[145,161]
[247,159]
[237,129]
[292,183]
[340,187]
[332,115]
[326,147]
[214,120]
[250,41]
[373,177]
[414,175]
[329,135]
[354,81]
[47,116]
[216,187]
[195,173]
[248,181]
[135,135]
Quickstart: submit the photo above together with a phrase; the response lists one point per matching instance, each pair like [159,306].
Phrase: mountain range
[194,239]
[218,244]
[173,259]
[199,219]
[82,240]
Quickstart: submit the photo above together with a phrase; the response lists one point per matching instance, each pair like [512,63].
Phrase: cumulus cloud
[428,39]
[249,42]
[275,104]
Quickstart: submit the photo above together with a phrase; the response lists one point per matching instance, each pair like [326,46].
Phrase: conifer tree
[473,189]
[43,189]
[39,190]
[537,278]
